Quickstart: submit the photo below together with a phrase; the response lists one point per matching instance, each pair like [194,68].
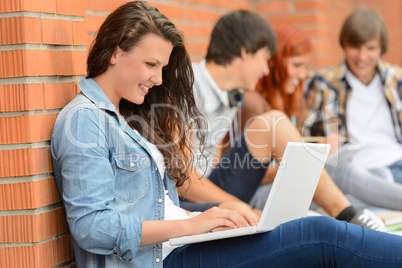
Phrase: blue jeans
[308,242]
[396,170]
[238,173]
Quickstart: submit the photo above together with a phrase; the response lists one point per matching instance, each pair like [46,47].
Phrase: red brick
[194,30]
[33,228]
[93,22]
[73,62]
[180,12]
[46,254]
[26,128]
[273,7]
[25,162]
[103,5]
[316,32]
[28,97]
[20,30]
[314,5]
[47,60]
[90,39]
[79,33]
[46,6]
[70,7]
[27,62]
[231,5]
[197,48]
[58,95]
[28,195]
[57,32]
[300,19]
[21,97]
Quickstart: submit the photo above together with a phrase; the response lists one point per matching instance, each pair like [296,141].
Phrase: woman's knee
[324,228]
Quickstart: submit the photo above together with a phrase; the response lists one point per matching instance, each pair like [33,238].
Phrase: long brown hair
[169,125]
[291,41]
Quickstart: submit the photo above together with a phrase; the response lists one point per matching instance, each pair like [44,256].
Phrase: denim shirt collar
[95,94]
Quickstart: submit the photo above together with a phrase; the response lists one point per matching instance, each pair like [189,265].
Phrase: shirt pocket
[131,176]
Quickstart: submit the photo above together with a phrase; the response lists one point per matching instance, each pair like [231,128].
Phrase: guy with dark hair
[240,46]
[362,96]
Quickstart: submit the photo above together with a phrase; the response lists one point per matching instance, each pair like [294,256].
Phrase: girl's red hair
[291,41]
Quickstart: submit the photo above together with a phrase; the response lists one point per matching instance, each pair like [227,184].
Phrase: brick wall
[42,51]
[322,20]
[43,47]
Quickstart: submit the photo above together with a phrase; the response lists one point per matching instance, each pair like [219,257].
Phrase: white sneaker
[369,220]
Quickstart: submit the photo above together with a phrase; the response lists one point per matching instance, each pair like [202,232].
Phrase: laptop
[290,197]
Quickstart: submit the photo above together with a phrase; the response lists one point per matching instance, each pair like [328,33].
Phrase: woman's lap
[309,242]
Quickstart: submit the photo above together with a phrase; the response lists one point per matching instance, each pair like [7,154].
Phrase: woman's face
[136,71]
[297,67]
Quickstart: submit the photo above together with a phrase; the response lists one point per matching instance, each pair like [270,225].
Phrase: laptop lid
[294,186]
[291,194]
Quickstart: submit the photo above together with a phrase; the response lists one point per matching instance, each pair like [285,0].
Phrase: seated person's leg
[267,136]
[367,186]
[396,169]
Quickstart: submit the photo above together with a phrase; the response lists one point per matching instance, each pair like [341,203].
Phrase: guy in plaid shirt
[361,99]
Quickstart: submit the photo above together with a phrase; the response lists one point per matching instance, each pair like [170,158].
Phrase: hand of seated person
[244,209]
[218,219]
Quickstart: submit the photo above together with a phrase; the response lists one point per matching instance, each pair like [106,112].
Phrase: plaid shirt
[328,91]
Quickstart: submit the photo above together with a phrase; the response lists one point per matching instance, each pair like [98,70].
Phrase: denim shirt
[108,182]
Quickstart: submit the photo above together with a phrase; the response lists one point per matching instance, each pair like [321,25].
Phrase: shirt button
[156,168]
[160,200]
[157,260]
[132,164]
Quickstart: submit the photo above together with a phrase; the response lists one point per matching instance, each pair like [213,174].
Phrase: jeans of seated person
[375,187]
[363,188]
[396,169]
[307,242]
[238,173]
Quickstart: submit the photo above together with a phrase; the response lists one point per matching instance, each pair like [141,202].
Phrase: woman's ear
[115,55]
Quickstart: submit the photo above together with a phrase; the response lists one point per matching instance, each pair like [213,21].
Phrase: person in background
[113,167]
[361,100]
[240,46]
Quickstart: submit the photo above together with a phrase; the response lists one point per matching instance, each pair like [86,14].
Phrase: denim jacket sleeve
[85,178]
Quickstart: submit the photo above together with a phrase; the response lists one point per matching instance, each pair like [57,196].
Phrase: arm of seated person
[201,190]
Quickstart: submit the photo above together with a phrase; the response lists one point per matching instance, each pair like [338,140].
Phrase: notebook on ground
[291,194]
